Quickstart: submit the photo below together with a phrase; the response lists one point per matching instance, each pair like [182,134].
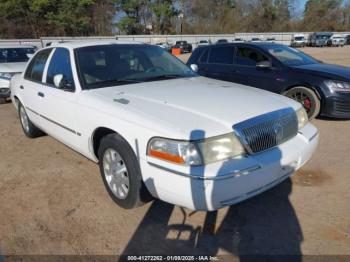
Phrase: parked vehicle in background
[298,40]
[271,39]
[255,39]
[347,40]
[322,89]
[203,43]
[184,46]
[319,39]
[13,60]
[221,41]
[337,40]
[157,128]
[165,45]
[238,40]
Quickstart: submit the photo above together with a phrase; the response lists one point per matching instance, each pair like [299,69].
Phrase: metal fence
[282,38]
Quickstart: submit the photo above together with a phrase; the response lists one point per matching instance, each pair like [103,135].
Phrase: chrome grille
[265,131]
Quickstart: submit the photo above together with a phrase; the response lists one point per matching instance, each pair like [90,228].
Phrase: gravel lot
[52,201]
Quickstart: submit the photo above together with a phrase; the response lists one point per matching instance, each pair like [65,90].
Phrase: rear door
[219,63]
[32,86]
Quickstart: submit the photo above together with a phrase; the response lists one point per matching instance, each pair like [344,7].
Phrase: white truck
[298,40]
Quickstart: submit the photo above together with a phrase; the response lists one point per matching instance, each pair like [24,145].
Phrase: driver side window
[60,65]
[249,57]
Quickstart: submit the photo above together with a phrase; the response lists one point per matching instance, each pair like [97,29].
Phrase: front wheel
[121,173]
[307,98]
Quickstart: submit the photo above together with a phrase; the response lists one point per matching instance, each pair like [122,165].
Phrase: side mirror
[57,80]
[264,64]
[194,68]
[62,83]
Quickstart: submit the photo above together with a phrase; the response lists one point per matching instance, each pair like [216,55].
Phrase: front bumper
[4,88]
[5,92]
[225,183]
[337,106]
[298,44]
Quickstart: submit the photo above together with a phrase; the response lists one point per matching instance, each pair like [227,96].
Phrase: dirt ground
[52,201]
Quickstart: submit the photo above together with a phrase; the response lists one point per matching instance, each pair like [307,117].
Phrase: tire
[124,182]
[29,129]
[307,98]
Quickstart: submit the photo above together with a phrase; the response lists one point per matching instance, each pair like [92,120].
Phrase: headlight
[302,117]
[197,152]
[6,76]
[337,86]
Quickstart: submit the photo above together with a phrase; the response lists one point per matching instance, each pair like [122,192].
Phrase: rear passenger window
[60,65]
[221,55]
[204,57]
[37,64]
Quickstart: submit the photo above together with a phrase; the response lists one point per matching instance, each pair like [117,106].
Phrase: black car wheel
[121,173]
[307,98]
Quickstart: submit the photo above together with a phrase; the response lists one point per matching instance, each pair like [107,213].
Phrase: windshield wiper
[163,77]
[119,81]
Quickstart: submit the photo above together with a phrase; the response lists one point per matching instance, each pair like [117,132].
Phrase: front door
[59,106]
[246,71]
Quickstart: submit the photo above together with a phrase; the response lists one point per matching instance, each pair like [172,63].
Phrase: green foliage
[36,18]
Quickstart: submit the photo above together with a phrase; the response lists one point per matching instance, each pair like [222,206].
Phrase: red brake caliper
[307,104]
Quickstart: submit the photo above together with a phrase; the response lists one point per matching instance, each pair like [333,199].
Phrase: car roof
[253,44]
[85,43]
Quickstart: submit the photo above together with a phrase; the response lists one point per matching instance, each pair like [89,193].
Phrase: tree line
[39,18]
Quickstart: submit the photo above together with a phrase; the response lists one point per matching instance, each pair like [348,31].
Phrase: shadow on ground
[264,225]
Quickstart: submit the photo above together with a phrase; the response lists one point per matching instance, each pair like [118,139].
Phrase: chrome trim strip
[245,171]
[58,124]
[54,122]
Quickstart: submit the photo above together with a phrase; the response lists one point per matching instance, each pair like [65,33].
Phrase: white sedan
[157,129]
[13,60]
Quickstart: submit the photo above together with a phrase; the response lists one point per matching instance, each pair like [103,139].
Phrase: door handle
[21,87]
[41,94]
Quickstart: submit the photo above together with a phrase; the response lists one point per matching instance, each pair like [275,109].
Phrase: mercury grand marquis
[157,129]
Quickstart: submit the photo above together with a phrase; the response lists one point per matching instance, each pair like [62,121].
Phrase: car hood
[189,104]
[326,70]
[12,67]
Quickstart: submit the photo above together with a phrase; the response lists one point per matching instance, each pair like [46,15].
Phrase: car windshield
[203,42]
[15,55]
[299,38]
[290,56]
[119,64]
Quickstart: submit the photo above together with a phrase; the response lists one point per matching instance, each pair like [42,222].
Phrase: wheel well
[16,101]
[306,86]
[97,137]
